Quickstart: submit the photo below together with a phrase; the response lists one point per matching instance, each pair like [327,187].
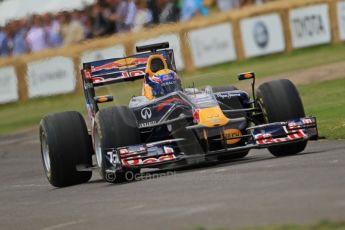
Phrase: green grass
[324,225]
[322,100]
[326,101]
[268,65]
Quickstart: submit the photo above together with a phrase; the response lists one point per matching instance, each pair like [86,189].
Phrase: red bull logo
[121,64]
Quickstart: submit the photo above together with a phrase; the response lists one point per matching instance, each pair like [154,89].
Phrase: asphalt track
[259,190]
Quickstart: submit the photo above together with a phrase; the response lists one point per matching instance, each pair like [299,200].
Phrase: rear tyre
[65,144]
[227,104]
[280,101]
[115,127]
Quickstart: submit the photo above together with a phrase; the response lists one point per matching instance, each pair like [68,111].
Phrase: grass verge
[323,100]
[326,101]
[324,225]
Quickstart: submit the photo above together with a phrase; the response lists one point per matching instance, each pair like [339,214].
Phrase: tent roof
[14,9]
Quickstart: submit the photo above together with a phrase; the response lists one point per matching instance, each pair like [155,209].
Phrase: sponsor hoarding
[262,35]
[310,26]
[8,85]
[212,45]
[174,41]
[116,51]
[51,76]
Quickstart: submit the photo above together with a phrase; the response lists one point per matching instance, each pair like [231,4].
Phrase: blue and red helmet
[164,82]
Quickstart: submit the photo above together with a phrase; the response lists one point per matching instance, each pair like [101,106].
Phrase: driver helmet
[164,82]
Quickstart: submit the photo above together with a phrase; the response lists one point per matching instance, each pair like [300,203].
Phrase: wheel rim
[45,154]
[98,148]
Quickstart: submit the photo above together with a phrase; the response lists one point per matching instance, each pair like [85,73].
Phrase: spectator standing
[36,37]
[126,13]
[52,27]
[170,11]
[224,5]
[19,43]
[111,15]
[100,23]
[143,17]
[191,8]
[165,11]
[71,31]
[156,9]
[88,28]
[2,39]
[7,42]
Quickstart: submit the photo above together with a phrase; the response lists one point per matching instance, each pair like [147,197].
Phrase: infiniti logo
[261,34]
[146,113]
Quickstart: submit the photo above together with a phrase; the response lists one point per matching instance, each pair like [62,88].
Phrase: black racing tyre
[191,146]
[236,104]
[115,127]
[280,101]
[65,144]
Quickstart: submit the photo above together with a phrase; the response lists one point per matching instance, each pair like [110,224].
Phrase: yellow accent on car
[103,99]
[148,69]
[126,63]
[147,92]
[230,133]
[248,75]
[212,117]
[163,72]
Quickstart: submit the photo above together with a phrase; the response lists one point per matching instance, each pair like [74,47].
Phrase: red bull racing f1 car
[168,126]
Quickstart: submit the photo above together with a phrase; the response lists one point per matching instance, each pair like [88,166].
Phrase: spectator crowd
[105,17]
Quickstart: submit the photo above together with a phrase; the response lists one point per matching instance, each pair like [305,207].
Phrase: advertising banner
[212,45]
[103,53]
[262,35]
[310,26]
[51,76]
[8,85]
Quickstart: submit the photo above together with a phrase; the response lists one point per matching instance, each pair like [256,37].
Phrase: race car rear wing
[115,70]
[130,68]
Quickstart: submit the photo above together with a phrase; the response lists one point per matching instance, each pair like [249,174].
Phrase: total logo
[146,113]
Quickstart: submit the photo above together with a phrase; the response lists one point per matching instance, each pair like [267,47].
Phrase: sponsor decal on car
[266,138]
[160,159]
[120,64]
[151,160]
[168,149]
[224,95]
[135,155]
[168,102]
[147,124]
[146,113]
[231,133]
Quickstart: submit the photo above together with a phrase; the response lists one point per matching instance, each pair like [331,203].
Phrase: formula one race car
[168,126]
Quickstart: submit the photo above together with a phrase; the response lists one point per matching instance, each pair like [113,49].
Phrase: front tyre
[280,101]
[114,127]
[65,144]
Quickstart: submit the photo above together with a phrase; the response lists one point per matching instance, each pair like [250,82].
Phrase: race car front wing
[166,151]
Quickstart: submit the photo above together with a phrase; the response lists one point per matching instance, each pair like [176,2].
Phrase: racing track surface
[259,190]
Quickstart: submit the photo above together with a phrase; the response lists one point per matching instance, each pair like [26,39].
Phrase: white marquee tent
[12,9]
